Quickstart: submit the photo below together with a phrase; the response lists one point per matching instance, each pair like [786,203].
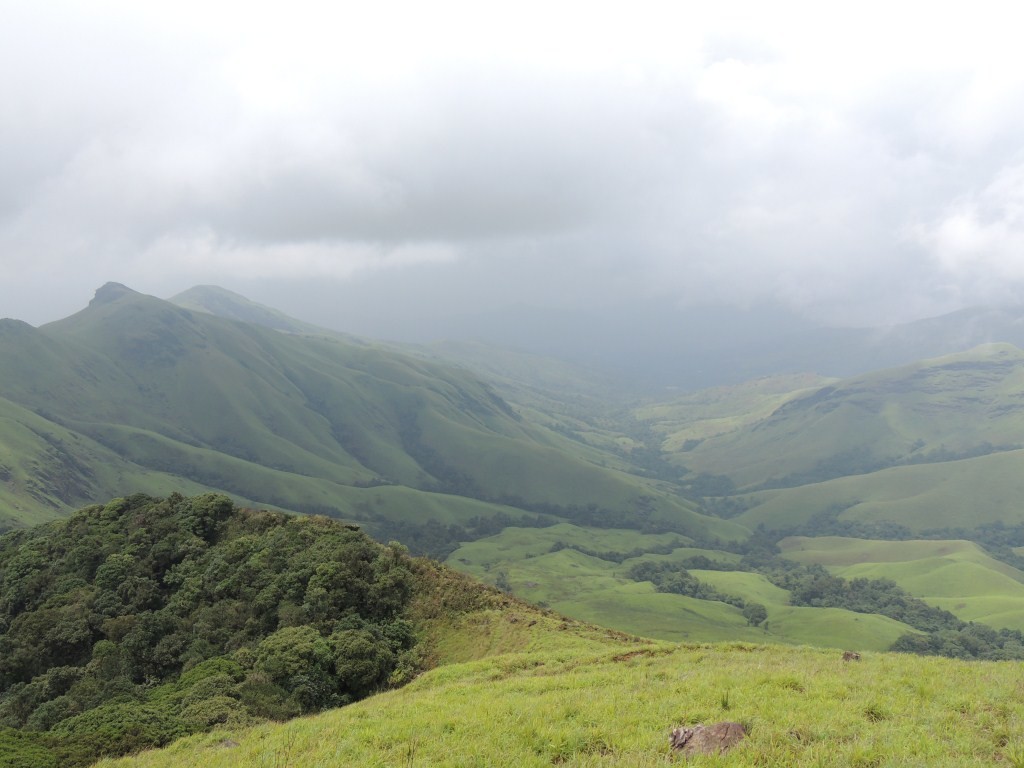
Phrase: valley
[798,510]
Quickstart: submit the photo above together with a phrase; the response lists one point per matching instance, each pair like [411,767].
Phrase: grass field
[932,410]
[709,413]
[595,586]
[558,693]
[949,494]
[956,575]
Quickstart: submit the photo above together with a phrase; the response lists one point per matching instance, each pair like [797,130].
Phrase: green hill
[956,575]
[304,421]
[922,497]
[135,622]
[589,574]
[556,695]
[942,409]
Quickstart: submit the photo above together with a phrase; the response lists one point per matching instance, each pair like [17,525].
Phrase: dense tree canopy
[135,622]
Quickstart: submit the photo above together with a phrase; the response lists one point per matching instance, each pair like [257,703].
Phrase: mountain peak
[214,300]
[110,292]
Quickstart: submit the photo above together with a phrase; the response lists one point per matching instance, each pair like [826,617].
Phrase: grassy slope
[956,575]
[302,421]
[709,413]
[947,494]
[45,468]
[599,589]
[524,689]
[955,403]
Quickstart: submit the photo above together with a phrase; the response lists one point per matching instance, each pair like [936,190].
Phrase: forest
[138,621]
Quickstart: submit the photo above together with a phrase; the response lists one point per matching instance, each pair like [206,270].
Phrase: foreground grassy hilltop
[139,621]
[557,693]
[135,622]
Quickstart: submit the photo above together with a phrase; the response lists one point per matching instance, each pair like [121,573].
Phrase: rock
[228,743]
[851,656]
[706,739]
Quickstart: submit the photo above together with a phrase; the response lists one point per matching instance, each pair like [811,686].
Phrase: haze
[406,170]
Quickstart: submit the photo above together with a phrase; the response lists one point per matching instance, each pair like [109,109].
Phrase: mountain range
[136,393]
[540,475]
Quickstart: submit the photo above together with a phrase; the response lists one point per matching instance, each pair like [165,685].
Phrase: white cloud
[735,152]
[209,257]
[978,241]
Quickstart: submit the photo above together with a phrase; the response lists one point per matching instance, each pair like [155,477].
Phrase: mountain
[214,300]
[304,421]
[556,385]
[535,479]
[953,407]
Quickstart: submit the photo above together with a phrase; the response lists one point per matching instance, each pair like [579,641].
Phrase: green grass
[557,699]
[946,406]
[832,627]
[600,590]
[709,413]
[956,575]
[300,420]
[45,467]
[515,544]
[961,493]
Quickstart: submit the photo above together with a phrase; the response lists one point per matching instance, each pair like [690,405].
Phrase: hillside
[568,398]
[946,408]
[302,421]
[537,484]
[549,698]
[132,623]
[598,576]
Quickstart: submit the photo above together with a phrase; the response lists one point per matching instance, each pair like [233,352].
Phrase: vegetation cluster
[136,622]
[546,700]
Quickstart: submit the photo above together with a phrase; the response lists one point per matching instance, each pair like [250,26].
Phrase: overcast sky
[855,162]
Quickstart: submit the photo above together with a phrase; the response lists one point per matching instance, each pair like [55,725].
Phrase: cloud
[205,255]
[977,242]
[799,154]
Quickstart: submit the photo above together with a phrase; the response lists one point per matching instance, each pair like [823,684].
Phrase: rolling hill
[958,406]
[303,421]
[531,480]
[956,575]
[522,690]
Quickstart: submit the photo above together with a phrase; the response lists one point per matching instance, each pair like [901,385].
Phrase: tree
[755,614]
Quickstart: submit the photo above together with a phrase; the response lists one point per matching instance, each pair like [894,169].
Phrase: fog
[415,171]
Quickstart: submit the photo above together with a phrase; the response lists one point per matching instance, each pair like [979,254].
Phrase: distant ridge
[109,292]
[214,300]
[309,422]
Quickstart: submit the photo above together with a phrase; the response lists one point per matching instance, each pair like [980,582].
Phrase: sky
[378,166]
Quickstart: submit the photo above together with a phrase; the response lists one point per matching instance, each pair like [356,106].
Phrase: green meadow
[555,692]
[945,408]
[956,575]
[546,567]
[962,493]
[697,416]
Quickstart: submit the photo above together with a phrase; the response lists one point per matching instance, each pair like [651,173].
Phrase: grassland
[961,493]
[689,419]
[584,573]
[948,407]
[291,418]
[526,689]
[956,575]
